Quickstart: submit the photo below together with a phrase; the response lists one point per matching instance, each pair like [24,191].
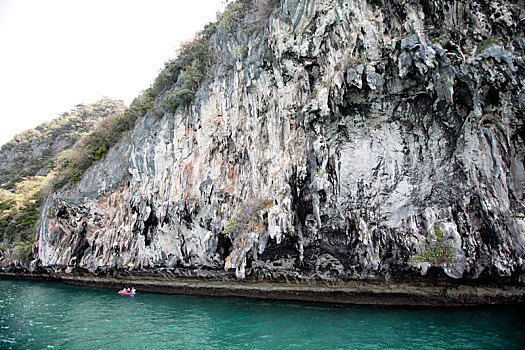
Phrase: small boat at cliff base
[125,293]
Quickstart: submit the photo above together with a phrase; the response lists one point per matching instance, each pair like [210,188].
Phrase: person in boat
[133,290]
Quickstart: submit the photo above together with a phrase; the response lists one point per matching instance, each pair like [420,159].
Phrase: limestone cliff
[346,139]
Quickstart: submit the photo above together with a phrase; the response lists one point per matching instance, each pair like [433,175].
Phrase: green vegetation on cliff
[252,217]
[177,84]
[94,145]
[437,249]
[19,212]
[33,151]
[28,168]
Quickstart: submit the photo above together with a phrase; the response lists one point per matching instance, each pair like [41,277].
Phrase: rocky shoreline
[356,292]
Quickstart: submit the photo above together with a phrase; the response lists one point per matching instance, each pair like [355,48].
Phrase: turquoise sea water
[43,315]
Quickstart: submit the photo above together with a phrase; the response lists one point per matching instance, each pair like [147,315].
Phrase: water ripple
[38,315]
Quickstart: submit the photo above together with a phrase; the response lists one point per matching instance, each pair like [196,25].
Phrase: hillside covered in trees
[37,160]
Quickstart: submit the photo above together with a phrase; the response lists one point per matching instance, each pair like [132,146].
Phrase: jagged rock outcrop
[384,137]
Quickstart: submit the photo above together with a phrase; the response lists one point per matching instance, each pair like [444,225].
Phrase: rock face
[347,140]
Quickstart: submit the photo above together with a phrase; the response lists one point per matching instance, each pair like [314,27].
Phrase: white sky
[55,54]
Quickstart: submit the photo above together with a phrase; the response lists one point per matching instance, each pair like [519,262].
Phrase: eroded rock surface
[386,138]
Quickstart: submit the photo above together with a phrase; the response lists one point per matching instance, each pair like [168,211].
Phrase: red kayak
[126,293]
